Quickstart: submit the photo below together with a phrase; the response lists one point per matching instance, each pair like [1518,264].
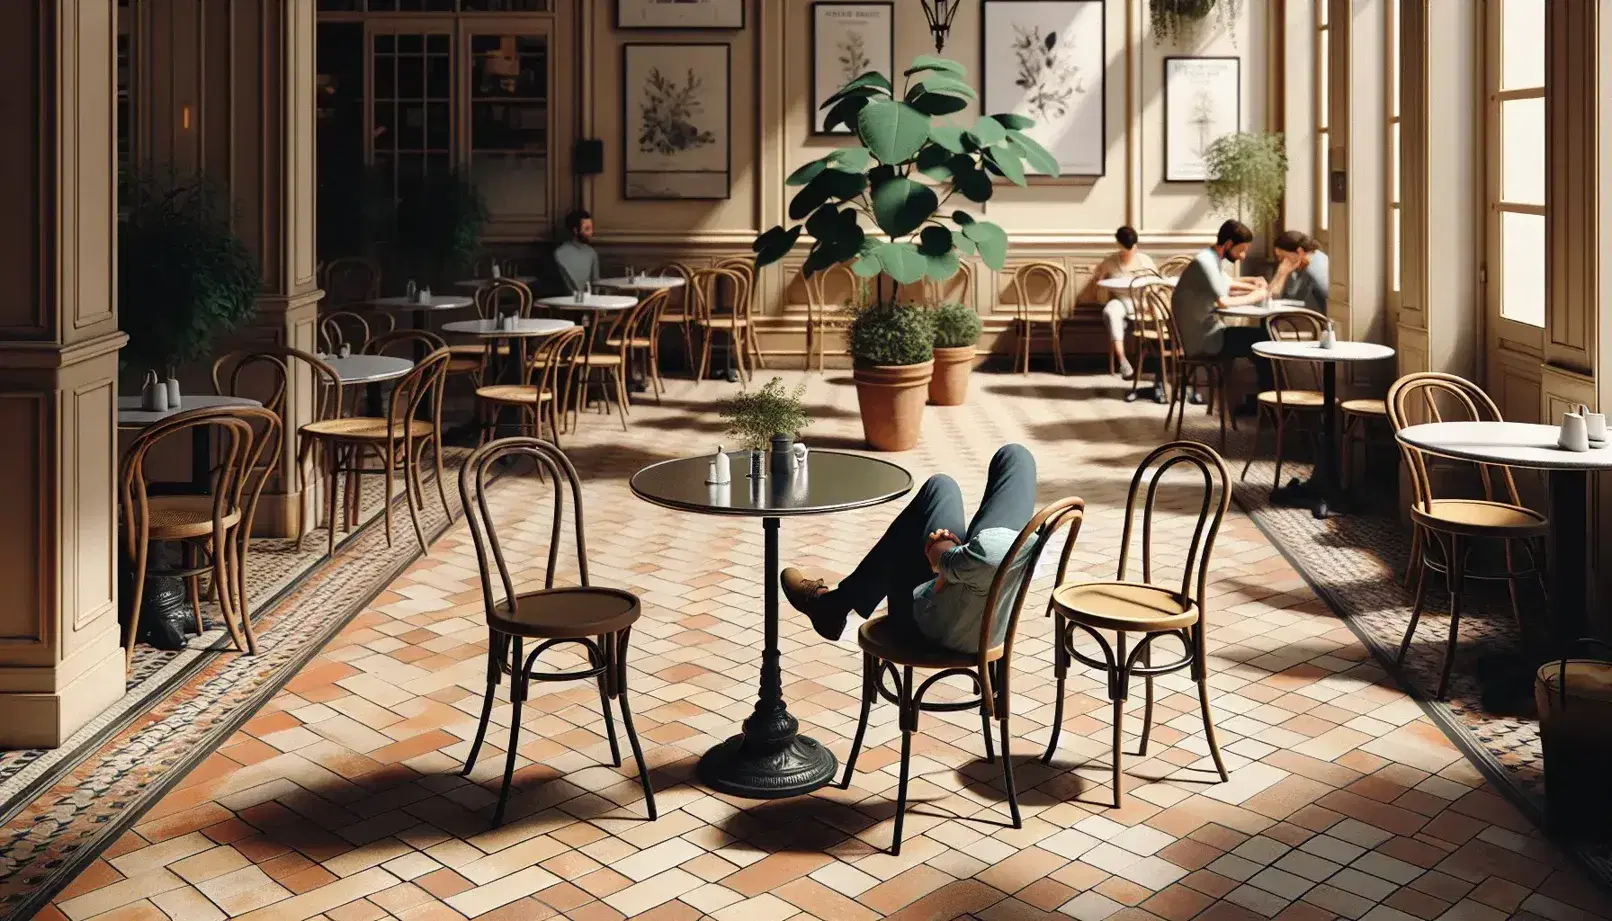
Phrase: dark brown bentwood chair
[1452,525]
[1154,610]
[1214,370]
[1298,392]
[600,620]
[343,327]
[214,529]
[887,645]
[1149,328]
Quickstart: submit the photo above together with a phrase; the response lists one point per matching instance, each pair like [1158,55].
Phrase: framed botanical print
[1046,59]
[676,120]
[680,14]
[848,40]
[1202,103]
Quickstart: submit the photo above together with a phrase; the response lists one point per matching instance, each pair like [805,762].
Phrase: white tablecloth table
[644,283]
[474,284]
[1131,282]
[369,372]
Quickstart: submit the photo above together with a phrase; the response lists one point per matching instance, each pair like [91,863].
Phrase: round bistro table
[1132,282]
[769,759]
[1322,493]
[369,371]
[648,284]
[474,284]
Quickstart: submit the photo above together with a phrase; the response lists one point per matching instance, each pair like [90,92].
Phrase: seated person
[1303,272]
[1204,288]
[935,574]
[577,261]
[1125,261]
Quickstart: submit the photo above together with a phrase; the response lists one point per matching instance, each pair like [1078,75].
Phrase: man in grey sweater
[576,258]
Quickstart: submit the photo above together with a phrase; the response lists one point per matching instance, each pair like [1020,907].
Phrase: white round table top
[475,283]
[1310,350]
[369,369]
[590,302]
[130,415]
[1513,444]
[523,329]
[1261,311]
[437,302]
[1127,282]
[643,282]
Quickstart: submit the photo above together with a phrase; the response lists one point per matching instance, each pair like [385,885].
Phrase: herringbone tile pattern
[342,799]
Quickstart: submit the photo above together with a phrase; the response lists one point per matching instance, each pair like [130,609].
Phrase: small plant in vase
[911,161]
[766,418]
[957,330]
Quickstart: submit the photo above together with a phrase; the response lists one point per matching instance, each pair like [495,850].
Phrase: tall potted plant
[438,232]
[184,277]
[1247,175]
[957,329]
[912,159]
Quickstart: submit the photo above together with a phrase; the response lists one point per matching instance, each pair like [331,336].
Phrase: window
[1323,117]
[1516,172]
[1394,223]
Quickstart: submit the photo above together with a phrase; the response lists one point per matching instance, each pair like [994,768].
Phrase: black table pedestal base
[167,618]
[760,771]
[1305,493]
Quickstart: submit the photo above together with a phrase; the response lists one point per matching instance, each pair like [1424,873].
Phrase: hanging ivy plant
[1174,20]
[1247,175]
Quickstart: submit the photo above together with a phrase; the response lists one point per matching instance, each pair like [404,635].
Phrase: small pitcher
[1575,433]
[1594,425]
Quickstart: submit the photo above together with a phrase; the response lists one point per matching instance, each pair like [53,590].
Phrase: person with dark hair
[1303,272]
[1205,288]
[576,258]
[1126,260]
[933,573]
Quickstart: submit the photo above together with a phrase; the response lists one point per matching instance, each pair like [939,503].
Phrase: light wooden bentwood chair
[1452,525]
[1028,314]
[706,292]
[1298,392]
[1153,610]
[887,645]
[1174,266]
[599,620]
[543,395]
[820,313]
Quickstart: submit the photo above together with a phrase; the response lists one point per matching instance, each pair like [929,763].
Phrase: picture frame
[1048,59]
[680,14]
[676,120]
[848,39]
[1196,111]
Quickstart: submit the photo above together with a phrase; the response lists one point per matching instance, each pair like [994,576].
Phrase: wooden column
[60,663]
[1359,224]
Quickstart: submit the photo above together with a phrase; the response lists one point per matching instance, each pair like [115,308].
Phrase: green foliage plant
[889,333]
[1175,20]
[755,416]
[184,277]
[439,222]
[956,325]
[1247,175]
[911,160]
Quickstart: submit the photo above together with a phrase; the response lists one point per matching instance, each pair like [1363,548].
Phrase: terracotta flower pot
[948,385]
[892,402]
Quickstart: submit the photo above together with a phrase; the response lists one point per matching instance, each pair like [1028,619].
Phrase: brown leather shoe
[807,591]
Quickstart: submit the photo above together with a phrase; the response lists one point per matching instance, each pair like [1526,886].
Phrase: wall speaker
[588,157]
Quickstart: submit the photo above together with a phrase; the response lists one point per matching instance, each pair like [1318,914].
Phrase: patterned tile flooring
[341,799]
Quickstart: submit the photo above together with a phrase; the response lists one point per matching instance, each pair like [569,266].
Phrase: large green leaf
[893,131]
[844,113]
[1014,120]
[901,205]
[943,266]
[867,265]
[991,241]
[870,83]
[935,240]
[964,245]
[988,131]
[807,172]
[947,135]
[934,162]
[1008,162]
[947,84]
[824,223]
[845,243]
[962,217]
[902,262]
[1033,153]
[975,184]
[937,103]
[774,244]
[929,62]
[850,159]
[829,184]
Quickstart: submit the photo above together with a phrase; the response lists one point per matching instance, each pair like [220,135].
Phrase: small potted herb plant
[766,418]
[957,330]
[892,350]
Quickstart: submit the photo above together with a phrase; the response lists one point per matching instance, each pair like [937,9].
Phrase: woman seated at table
[1303,272]
[934,572]
[1123,262]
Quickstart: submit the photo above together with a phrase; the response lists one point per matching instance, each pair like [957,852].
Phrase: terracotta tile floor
[342,800]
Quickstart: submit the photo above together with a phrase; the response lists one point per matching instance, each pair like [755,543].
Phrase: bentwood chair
[396,441]
[1149,329]
[1134,326]
[351,283]
[497,296]
[679,312]
[636,335]
[1298,394]
[542,394]
[604,362]
[1151,608]
[1452,525]
[746,266]
[706,290]
[343,327]
[1029,313]
[891,650]
[1213,370]
[1174,266]
[959,287]
[1360,415]
[213,529]
[819,311]
[598,620]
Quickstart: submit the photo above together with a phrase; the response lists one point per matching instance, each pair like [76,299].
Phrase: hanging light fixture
[940,14]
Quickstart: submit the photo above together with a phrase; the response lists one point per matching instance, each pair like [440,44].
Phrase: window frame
[1505,333]
[1394,141]
[1322,58]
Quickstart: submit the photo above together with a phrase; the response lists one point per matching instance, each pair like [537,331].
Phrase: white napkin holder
[1575,433]
[719,473]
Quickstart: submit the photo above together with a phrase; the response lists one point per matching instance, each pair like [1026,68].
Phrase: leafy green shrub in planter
[1247,175]
[889,333]
[438,230]
[755,416]
[184,277]
[956,325]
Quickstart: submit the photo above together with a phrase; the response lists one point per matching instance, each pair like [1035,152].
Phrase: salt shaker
[800,456]
[719,473]
[1329,336]
[495,268]
[346,351]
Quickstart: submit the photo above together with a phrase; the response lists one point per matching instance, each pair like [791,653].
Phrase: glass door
[410,102]
[507,74]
